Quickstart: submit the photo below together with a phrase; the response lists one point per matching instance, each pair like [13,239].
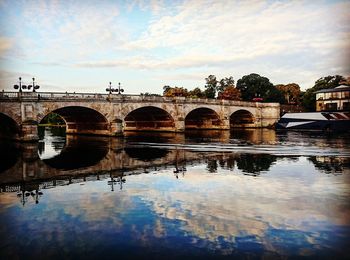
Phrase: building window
[331,106]
[346,106]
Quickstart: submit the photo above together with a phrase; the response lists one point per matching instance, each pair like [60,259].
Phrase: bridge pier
[116,128]
[225,124]
[29,132]
[180,125]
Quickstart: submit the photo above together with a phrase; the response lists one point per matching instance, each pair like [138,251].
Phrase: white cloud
[66,29]
[5,45]
[284,40]
[247,31]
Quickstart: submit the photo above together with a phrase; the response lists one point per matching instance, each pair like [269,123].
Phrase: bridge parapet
[72,96]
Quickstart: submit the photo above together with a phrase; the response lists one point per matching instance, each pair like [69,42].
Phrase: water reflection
[88,155]
[239,194]
[254,164]
[331,164]
[145,154]
[9,154]
[52,141]
[78,152]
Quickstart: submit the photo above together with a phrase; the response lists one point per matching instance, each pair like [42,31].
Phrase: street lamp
[20,86]
[119,90]
[33,86]
[110,89]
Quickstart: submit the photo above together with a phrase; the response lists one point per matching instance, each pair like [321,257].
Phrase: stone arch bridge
[103,114]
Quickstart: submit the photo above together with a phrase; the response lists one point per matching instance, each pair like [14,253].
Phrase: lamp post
[33,86]
[20,86]
[118,90]
[110,89]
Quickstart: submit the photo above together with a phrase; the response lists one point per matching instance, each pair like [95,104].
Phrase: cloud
[236,30]
[181,37]
[5,45]
[65,29]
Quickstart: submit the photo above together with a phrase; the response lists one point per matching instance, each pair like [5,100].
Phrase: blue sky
[83,45]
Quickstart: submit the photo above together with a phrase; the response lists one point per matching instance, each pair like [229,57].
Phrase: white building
[335,99]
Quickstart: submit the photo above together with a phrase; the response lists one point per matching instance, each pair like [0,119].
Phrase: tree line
[254,87]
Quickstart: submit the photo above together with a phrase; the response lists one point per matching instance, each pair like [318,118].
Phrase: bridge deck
[72,96]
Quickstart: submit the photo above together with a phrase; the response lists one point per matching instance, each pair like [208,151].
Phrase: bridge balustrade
[12,95]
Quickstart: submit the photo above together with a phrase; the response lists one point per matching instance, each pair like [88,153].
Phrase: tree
[345,81]
[227,89]
[230,93]
[196,93]
[175,92]
[226,82]
[291,92]
[211,86]
[53,119]
[214,88]
[309,98]
[166,89]
[254,85]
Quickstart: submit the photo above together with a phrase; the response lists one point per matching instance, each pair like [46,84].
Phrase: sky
[81,46]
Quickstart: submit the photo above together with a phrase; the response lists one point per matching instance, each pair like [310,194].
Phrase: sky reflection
[287,212]
[218,204]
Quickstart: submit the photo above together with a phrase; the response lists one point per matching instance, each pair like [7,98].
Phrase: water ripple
[288,150]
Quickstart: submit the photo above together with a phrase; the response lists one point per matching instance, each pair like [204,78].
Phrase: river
[211,194]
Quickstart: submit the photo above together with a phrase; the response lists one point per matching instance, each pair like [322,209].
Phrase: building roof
[337,89]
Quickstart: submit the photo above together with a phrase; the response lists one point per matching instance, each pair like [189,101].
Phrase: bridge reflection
[27,168]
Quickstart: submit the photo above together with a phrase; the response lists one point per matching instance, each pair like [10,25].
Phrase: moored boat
[318,121]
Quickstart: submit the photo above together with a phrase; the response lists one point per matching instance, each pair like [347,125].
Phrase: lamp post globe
[119,90]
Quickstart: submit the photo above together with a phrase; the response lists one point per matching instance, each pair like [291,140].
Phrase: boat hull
[323,121]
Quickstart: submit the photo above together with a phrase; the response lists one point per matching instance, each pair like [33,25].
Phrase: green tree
[227,89]
[226,82]
[166,89]
[53,119]
[309,98]
[196,93]
[211,86]
[254,85]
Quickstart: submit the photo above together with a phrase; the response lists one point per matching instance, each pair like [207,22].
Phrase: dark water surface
[247,194]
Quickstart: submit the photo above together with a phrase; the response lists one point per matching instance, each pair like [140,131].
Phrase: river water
[213,194]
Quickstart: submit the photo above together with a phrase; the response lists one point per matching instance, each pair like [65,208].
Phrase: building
[335,99]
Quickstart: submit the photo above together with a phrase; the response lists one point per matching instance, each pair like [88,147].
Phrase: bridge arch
[81,120]
[241,119]
[203,118]
[149,118]
[9,128]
